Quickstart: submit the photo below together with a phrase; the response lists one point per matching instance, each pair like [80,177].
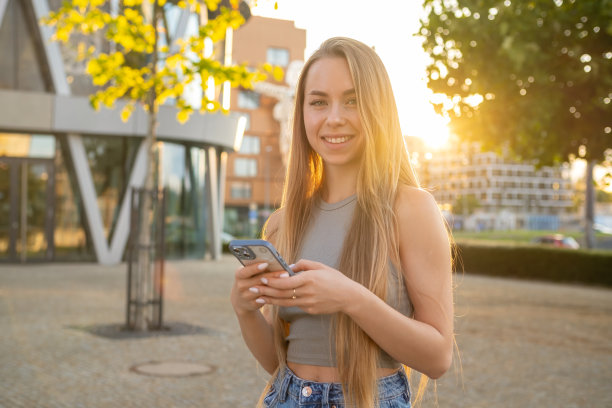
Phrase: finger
[249,271]
[306,265]
[268,292]
[286,283]
[275,274]
[284,302]
[267,277]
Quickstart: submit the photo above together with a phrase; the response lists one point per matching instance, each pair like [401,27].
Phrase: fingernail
[254,290]
[284,275]
[262,266]
[260,300]
[292,266]
[264,281]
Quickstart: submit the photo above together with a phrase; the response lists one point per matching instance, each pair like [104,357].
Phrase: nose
[336,115]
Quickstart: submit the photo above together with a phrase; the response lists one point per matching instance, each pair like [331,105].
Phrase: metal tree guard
[154,290]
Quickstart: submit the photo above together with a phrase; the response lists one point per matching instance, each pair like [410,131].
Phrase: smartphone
[250,251]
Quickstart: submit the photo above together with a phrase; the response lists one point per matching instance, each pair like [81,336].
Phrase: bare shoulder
[419,218]
[413,203]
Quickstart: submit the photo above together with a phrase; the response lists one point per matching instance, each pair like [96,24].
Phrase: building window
[248,121]
[240,190]
[278,56]
[248,99]
[250,145]
[244,167]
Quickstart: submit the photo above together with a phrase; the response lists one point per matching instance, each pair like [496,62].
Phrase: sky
[387,25]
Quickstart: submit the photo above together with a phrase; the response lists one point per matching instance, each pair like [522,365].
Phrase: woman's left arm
[424,342]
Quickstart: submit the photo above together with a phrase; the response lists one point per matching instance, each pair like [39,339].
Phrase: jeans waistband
[288,383]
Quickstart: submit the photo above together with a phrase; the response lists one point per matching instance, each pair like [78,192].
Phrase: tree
[533,78]
[466,204]
[146,66]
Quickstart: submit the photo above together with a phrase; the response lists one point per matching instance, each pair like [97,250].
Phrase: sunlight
[405,65]
[435,134]
[428,126]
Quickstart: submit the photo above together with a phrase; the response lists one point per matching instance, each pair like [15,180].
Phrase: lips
[337,139]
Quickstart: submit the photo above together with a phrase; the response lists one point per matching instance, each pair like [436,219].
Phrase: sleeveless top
[310,340]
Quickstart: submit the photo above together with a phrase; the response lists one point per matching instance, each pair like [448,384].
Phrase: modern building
[256,172]
[504,194]
[66,171]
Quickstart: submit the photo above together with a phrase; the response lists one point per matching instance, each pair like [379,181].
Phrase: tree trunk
[589,206]
[144,269]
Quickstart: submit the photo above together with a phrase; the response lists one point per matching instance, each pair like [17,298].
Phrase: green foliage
[537,263]
[603,196]
[466,204]
[541,70]
[128,73]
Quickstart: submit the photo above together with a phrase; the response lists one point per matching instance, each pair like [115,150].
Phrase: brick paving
[522,344]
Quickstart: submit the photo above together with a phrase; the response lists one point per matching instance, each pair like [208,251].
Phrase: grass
[514,237]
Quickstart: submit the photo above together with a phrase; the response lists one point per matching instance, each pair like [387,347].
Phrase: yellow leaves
[174,61]
[81,4]
[212,4]
[84,52]
[61,34]
[183,115]
[216,28]
[165,94]
[94,101]
[125,75]
[126,112]
[277,72]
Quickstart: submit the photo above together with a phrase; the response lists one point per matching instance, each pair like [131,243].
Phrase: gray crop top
[309,340]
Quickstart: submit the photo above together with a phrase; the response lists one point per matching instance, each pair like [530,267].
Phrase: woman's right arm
[256,327]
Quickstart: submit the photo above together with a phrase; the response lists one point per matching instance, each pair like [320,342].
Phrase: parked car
[558,240]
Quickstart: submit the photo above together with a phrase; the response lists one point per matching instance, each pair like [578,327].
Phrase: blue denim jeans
[290,391]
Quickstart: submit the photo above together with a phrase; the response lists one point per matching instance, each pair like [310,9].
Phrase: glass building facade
[41,212]
[66,171]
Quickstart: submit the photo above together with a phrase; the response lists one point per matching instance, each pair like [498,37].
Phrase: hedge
[536,262]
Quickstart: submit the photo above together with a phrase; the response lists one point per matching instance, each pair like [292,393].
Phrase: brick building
[255,173]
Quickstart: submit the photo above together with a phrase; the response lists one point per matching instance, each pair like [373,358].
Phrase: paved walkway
[523,344]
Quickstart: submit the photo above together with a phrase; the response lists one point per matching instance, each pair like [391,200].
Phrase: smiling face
[331,117]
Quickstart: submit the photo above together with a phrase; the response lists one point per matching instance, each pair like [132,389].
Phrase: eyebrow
[321,93]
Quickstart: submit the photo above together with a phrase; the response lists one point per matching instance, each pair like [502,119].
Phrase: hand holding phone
[250,251]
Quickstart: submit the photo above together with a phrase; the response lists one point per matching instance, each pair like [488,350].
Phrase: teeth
[336,139]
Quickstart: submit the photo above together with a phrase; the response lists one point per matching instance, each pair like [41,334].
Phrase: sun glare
[405,65]
[430,127]
[435,133]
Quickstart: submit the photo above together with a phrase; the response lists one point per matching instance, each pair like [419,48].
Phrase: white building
[509,195]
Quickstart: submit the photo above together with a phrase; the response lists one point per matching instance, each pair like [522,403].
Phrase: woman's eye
[317,102]
[351,101]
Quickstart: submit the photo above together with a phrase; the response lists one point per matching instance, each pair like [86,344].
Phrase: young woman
[373,286]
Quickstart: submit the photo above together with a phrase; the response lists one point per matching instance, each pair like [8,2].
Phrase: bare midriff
[327,374]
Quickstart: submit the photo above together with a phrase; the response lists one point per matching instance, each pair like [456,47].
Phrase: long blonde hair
[372,240]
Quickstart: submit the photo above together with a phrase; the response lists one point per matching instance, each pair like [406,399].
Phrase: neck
[339,184]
